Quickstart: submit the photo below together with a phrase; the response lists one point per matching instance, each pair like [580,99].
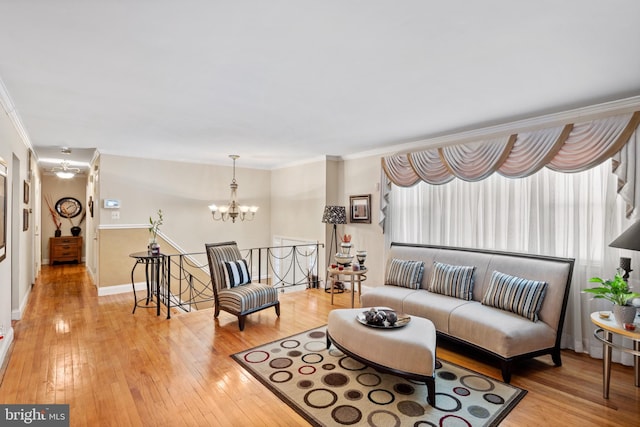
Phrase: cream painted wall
[298,199]
[333,197]
[56,188]
[183,191]
[298,196]
[115,263]
[19,277]
[362,176]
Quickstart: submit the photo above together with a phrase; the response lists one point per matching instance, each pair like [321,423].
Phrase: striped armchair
[242,299]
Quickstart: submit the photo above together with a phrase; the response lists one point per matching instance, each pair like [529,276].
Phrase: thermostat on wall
[111,204]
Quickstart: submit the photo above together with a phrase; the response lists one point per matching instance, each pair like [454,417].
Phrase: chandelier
[64,171]
[233,210]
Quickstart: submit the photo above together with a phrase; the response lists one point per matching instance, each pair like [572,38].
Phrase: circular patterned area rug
[329,388]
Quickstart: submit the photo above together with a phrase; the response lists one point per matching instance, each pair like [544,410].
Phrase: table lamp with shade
[629,239]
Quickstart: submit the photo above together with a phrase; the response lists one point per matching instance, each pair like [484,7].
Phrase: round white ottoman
[408,351]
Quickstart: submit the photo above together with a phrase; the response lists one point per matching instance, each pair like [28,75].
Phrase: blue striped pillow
[452,280]
[404,273]
[236,273]
[517,295]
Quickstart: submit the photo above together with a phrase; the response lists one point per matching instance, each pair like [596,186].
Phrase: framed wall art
[3,209]
[29,166]
[25,219]
[360,208]
[25,190]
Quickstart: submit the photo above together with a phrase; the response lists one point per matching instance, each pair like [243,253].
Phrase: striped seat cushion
[515,294]
[247,297]
[404,273]
[452,280]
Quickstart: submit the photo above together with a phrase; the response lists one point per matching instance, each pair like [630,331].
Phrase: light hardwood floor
[115,368]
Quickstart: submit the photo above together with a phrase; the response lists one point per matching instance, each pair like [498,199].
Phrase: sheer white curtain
[568,215]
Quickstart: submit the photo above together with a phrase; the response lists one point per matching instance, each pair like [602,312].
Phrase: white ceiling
[284,81]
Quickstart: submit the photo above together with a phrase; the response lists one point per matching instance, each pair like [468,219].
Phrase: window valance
[569,148]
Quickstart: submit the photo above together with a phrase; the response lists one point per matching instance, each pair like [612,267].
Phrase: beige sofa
[504,334]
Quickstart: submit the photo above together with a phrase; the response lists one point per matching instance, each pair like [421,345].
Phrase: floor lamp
[333,215]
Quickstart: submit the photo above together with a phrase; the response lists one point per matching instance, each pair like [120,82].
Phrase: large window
[548,213]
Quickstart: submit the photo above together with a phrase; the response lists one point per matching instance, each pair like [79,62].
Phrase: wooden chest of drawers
[64,249]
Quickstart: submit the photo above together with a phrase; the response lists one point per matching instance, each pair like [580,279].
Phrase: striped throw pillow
[521,296]
[404,273]
[452,280]
[236,273]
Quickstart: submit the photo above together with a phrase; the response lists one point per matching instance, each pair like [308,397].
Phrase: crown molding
[592,112]
[309,160]
[10,109]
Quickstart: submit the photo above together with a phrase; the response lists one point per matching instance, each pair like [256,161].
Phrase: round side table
[604,334]
[353,277]
[154,272]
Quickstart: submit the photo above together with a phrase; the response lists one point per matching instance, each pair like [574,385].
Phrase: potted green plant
[154,228]
[617,292]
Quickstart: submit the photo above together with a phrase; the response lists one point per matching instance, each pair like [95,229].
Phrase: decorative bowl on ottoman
[383,318]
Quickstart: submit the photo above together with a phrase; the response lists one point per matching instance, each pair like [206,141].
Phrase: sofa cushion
[236,273]
[515,294]
[432,306]
[501,332]
[387,296]
[452,280]
[404,273]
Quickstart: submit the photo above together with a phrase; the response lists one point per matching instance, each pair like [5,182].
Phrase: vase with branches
[154,229]
[57,221]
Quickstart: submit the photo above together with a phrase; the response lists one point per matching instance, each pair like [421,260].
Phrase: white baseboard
[295,288]
[5,345]
[16,314]
[121,289]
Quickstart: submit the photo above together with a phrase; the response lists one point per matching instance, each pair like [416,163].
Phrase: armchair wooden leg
[277,306]
[431,392]
[506,371]
[241,319]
